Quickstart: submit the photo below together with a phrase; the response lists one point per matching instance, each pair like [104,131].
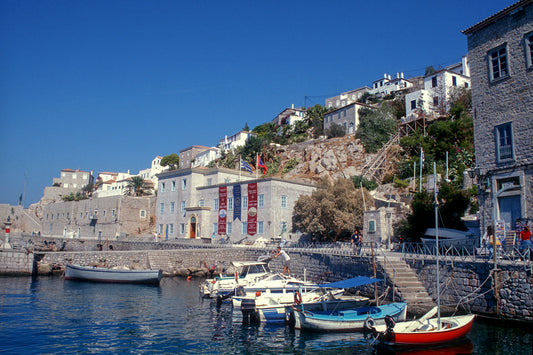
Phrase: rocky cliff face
[334,158]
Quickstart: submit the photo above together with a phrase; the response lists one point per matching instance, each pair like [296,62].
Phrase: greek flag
[246,166]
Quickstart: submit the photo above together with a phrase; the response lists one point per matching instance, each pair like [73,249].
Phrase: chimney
[292,105]
[401,75]
[397,75]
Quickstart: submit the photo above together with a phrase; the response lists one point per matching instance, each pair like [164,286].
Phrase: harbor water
[47,315]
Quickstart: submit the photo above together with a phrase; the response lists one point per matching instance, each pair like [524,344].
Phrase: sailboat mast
[436,192]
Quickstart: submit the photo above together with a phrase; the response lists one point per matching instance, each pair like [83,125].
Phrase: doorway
[192,228]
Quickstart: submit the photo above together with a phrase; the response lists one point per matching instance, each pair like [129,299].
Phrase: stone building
[197,202]
[347,117]
[73,179]
[500,51]
[346,98]
[100,218]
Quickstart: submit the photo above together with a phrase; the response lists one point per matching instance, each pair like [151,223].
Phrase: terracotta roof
[496,16]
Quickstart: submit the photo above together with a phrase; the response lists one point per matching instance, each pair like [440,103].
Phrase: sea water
[47,315]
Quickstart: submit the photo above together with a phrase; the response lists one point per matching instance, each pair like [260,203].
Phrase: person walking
[286,260]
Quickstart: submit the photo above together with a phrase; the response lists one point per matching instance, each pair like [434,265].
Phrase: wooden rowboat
[100,274]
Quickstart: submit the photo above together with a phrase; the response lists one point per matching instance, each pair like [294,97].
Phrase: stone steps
[160,261]
[407,285]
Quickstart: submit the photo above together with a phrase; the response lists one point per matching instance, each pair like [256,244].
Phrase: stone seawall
[471,286]
[16,263]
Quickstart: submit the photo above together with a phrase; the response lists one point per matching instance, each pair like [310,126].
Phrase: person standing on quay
[286,260]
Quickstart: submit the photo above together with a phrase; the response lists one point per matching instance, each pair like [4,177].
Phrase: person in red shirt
[525,242]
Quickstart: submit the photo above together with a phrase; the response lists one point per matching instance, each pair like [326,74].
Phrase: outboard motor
[249,313]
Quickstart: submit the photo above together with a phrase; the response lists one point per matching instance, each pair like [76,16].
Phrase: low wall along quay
[469,285]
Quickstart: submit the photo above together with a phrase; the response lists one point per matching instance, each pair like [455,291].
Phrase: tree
[315,119]
[335,130]
[452,205]
[88,189]
[137,186]
[171,160]
[246,128]
[252,146]
[376,127]
[331,212]
[429,70]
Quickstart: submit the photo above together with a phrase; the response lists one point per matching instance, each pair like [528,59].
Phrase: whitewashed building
[206,157]
[155,168]
[388,85]
[289,116]
[111,183]
[229,143]
[346,98]
[439,90]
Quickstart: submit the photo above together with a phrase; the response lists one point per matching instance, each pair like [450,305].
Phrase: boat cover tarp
[353,282]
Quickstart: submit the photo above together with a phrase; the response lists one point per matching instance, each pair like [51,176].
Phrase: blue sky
[108,85]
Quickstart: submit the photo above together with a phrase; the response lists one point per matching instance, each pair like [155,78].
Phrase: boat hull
[95,274]
[349,320]
[413,333]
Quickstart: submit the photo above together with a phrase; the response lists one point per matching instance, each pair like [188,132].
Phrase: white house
[205,157]
[346,98]
[234,141]
[387,85]
[111,183]
[154,169]
[439,89]
[289,116]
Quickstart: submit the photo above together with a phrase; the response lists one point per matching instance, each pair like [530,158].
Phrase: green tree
[452,205]
[331,212]
[246,128]
[335,130]
[137,186]
[429,70]
[252,146]
[359,180]
[376,127]
[171,160]
[88,189]
[315,119]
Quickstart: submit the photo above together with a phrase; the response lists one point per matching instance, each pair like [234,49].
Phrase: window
[173,187]
[216,204]
[498,63]
[371,226]
[454,81]
[504,142]
[171,229]
[163,187]
[283,201]
[215,228]
[160,229]
[182,228]
[113,213]
[434,82]
[103,213]
[244,228]
[209,182]
[172,205]
[466,85]
[244,202]
[182,206]
[436,101]
[230,203]
[184,184]
[201,203]
[142,213]
[261,201]
[529,50]
[260,227]
[413,104]
[228,228]
[161,207]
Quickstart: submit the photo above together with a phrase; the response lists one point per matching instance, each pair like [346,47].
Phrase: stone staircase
[407,285]
[158,260]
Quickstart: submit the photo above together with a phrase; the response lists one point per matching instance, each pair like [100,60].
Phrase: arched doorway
[192,228]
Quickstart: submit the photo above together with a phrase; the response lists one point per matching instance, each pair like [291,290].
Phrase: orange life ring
[297,297]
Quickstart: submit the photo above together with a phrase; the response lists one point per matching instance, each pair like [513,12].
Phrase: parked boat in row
[112,275]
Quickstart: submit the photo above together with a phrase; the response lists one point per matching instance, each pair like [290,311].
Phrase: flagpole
[240,167]
[421,164]
[257,166]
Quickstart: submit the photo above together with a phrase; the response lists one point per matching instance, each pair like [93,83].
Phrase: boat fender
[297,297]
[369,323]
[236,276]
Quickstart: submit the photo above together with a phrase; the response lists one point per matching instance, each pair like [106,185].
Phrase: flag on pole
[261,165]
[246,166]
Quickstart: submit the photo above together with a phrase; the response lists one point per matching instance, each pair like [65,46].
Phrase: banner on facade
[222,209]
[251,225]
[237,202]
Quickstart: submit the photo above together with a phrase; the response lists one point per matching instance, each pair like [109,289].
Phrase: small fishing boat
[424,331]
[102,274]
[348,320]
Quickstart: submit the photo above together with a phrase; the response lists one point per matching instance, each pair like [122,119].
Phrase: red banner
[222,209]
[251,225]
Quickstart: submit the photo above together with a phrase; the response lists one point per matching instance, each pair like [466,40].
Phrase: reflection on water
[50,315]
